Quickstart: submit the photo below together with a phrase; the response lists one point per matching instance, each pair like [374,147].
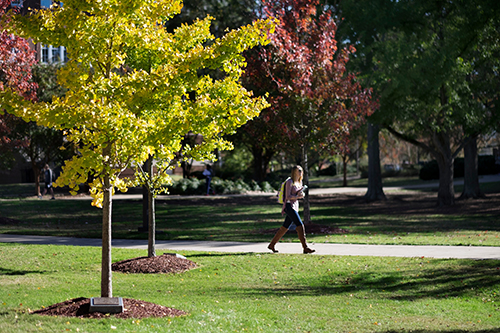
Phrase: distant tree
[375,190]
[16,60]
[421,56]
[351,149]
[485,89]
[119,116]
[43,144]
[228,14]
[265,135]
[314,99]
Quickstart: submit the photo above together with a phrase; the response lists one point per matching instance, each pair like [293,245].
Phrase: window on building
[65,59]
[45,54]
[17,3]
[56,54]
[45,3]
[51,54]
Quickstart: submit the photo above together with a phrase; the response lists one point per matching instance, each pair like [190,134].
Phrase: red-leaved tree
[16,60]
[315,102]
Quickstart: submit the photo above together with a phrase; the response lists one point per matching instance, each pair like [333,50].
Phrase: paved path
[458,252]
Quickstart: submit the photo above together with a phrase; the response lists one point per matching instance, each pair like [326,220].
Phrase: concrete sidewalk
[442,252]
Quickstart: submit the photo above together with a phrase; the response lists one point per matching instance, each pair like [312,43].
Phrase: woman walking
[293,192]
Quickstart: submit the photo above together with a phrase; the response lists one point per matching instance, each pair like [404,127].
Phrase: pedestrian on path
[48,175]
[293,192]
[208,173]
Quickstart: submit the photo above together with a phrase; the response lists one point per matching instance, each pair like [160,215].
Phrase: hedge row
[486,166]
[190,186]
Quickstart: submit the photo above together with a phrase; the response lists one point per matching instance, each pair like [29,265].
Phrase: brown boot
[302,237]
[277,238]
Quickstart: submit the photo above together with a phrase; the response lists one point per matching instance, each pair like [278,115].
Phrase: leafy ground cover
[407,217]
[256,292]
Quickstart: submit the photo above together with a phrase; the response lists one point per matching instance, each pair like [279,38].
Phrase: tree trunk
[145,203]
[471,179]
[36,172]
[186,168]
[151,213]
[257,153]
[446,191]
[357,156]
[261,160]
[145,213]
[344,161]
[268,155]
[106,278]
[305,180]
[375,190]
[445,159]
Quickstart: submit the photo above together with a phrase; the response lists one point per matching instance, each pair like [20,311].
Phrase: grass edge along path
[257,292]
[404,219]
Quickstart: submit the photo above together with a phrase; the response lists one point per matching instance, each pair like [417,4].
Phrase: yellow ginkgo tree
[119,114]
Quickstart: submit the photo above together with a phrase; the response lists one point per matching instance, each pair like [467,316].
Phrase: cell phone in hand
[303,189]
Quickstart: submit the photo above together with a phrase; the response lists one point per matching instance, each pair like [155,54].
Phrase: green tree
[421,58]
[315,96]
[16,60]
[43,144]
[229,14]
[120,116]
[484,82]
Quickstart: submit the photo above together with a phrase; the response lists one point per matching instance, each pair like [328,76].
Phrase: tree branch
[410,140]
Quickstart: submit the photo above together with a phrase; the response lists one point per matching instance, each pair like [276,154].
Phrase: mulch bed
[165,263]
[79,307]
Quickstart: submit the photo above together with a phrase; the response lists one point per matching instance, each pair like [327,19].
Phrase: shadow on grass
[200,255]
[244,218]
[493,330]
[459,280]
[440,283]
[7,271]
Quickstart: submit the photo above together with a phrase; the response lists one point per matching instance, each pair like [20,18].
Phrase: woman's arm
[288,192]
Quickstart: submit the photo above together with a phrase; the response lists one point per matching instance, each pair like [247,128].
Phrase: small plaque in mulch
[165,263]
[79,307]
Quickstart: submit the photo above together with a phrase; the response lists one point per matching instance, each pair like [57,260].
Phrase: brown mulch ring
[79,307]
[165,263]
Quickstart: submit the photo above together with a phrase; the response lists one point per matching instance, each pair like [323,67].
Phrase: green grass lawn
[256,292]
[230,220]
[327,182]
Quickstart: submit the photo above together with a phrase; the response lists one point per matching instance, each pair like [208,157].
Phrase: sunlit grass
[257,292]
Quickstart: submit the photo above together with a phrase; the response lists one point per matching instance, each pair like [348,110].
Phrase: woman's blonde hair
[297,174]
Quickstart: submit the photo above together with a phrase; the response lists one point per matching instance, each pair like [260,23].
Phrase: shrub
[192,186]
[329,171]
[266,187]
[187,186]
[429,171]
[486,166]
[254,186]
